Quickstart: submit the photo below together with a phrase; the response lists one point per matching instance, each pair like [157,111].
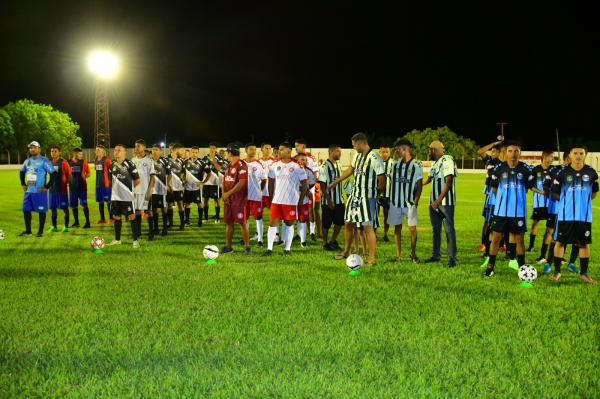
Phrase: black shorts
[579,233]
[158,201]
[384,202]
[211,191]
[551,221]
[333,216]
[191,197]
[540,214]
[121,208]
[174,196]
[509,225]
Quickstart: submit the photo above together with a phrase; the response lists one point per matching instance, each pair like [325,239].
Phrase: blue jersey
[553,171]
[575,188]
[539,177]
[511,189]
[35,169]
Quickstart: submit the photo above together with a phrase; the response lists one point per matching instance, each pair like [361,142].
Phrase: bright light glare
[103,64]
[162,144]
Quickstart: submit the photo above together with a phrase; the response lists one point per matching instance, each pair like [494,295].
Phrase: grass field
[158,322]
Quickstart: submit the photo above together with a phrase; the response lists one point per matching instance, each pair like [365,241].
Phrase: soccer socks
[67,218]
[187,214]
[138,225]
[86,213]
[42,218]
[182,217]
[27,218]
[76,215]
[583,264]
[557,262]
[312,227]
[101,209]
[155,222]
[151,225]
[217,212]
[550,257]
[531,242]
[574,253]
[271,233]
[521,259]
[118,224]
[290,237]
[54,217]
[544,250]
[170,216]
[206,212]
[302,231]
[199,216]
[512,247]
[259,229]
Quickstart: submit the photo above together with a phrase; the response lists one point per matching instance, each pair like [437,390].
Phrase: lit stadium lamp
[162,144]
[103,64]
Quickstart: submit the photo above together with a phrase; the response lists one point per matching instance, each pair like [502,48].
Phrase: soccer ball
[354,262]
[210,252]
[2,235]
[527,273]
[97,242]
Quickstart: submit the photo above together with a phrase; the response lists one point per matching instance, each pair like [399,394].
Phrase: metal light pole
[105,66]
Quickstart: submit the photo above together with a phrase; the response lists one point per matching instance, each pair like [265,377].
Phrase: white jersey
[312,164]
[266,164]
[256,174]
[145,168]
[288,177]
[311,182]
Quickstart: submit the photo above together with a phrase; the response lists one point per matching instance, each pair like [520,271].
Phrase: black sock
[165,218]
[217,212]
[531,240]
[206,212]
[513,250]
[86,213]
[557,262]
[550,257]
[502,242]
[67,218]
[118,224]
[521,259]
[583,265]
[187,214]
[101,209]
[170,216]
[135,229]
[544,250]
[42,218]
[54,216]
[483,236]
[27,218]
[150,225]
[492,261]
[76,215]
[574,253]
[182,217]
[488,244]
[138,225]
[200,216]
[156,222]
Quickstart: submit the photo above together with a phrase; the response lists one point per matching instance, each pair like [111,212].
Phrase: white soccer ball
[97,242]
[354,262]
[210,252]
[2,236]
[527,273]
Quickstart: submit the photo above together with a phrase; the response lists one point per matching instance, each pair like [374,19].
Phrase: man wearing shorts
[143,191]
[333,202]
[257,180]
[59,197]
[162,183]
[175,194]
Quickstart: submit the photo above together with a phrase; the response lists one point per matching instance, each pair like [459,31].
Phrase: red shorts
[254,209]
[235,212]
[317,192]
[266,202]
[304,210]
[283,212]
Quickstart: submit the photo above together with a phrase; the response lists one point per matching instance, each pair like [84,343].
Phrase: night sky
[321,70]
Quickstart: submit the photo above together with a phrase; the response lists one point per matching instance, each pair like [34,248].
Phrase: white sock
[302,231]
[290,237]
[271,233]
[259,229]
[312,227]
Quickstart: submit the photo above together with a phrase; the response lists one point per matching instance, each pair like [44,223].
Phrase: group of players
[562,197]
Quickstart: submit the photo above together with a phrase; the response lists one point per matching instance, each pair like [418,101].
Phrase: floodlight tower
[105,66]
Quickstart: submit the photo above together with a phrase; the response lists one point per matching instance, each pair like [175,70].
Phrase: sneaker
[587,279]
[39,234]
[200,223]
[415,259]
[486,261]
[248,251]
[328,247]
[489,272]
[287,253]
[303,244]
[481,248]
[86,225]
[110,221]
[268,252]
[181,226]
[296,238]
[431,260]
[513,264]
[164,232]
[280,242]
[573,268]
[541,260]
[335,246]
[151,238]
[555,277]
[217,221]
[547,268]
[530,249]
[188,224]
[65,229]
[75,225]
[313,237]
[254,238]
[451,262]
[52,229]
[259,244]
[136,244]
[386,239]
[226,250]
[114,242]
[25,234]
[101,221]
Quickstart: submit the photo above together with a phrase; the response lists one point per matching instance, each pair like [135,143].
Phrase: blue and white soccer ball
[527,273]
[2,235]
[210,252]
[354,262]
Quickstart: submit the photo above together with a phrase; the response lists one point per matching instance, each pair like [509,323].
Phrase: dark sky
[321,70]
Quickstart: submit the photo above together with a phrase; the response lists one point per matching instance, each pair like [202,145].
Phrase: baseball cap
[436,144]
[234,149]
[35,143]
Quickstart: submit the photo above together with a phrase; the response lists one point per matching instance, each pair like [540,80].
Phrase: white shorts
[396,215]
[140,202]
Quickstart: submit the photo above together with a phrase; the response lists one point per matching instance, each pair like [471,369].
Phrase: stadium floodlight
[103,64]
[162,144]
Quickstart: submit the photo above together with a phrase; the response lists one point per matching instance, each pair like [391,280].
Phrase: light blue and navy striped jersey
[511,189]
[553,171]
[575,188]
[539,176]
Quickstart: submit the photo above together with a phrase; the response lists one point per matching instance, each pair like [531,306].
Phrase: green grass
[157,322]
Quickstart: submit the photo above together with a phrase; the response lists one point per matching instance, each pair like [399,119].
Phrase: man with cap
[442,201]
[33,181]
[235,194]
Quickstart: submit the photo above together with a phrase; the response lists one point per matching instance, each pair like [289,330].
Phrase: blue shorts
[103,194]
[73,197]
[59,201]
[35,202]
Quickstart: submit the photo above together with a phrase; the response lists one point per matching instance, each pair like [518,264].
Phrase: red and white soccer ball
[97,242]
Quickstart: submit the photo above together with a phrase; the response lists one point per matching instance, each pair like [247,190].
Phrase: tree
[7,133]
[454,144]
[40,122]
